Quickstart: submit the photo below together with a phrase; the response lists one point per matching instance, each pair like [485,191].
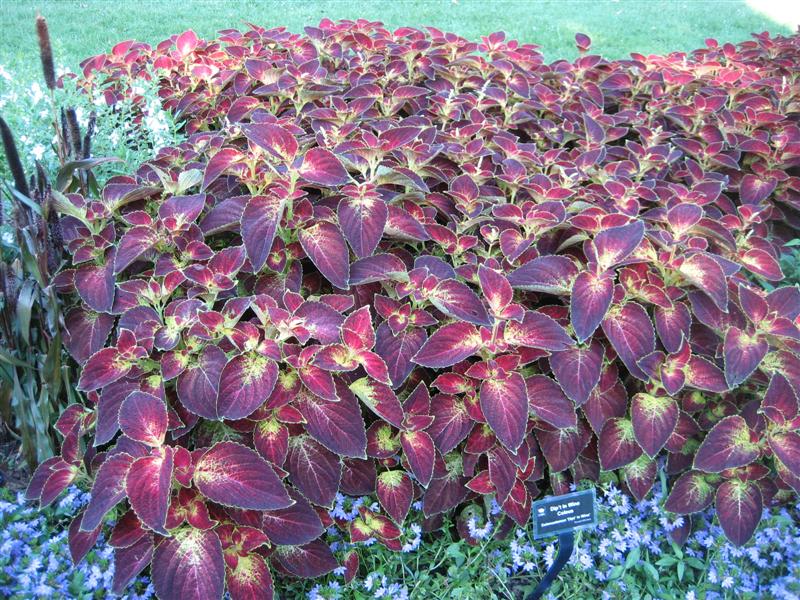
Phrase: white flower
[727,583]
[38,151]
[36,93]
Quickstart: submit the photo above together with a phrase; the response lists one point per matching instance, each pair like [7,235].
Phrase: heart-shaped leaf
[726,446]
[234,475]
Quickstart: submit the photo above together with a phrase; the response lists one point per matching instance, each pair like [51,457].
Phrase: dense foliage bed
[407,265]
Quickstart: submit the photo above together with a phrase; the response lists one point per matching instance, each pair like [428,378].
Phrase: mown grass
[617,27]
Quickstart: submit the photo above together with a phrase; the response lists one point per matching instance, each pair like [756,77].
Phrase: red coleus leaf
[186,42]
[583,42]
[357,331]
[605,404]
[546,274]
[80,542]
[739,506]
[577,370]
[148,484]
[189,565]
[250,579]
[336,357]
[654,419]
[245,383]
[260,220]
[271,440]
[111,399]
[617,446]
[640,475]
[234,475]
[314,470]
[762,263]
[691,493]
[362,220]
[704,375]
[418,401]
[707,274]
[743,353]
[481,484]
[780,402]
[537,330]
[591,297]
[502,473]
[318,382]
[133,244]
[457,300]
[72,417]
[325,246]
[786,447]
[672,325]
[614,245]
[103,367]
[726,446]
[443,494]
[309,560]
[179,211]
[51,478]
[449,345]
[96,286]
[547,402]
[682,217]
[504,402]
[130,561]
[86,332]
[398,351]
[295,525]
[224,216]
[143,417]
[631,333]
[321,167]
[518,504]
[561,447]
[219,163]
[198,384]
[338,425]
[395,491]
[451,422]
[496,289]
[419,451]
[379,267]
[754,190]
[380,399]
[276,140]
[108,489]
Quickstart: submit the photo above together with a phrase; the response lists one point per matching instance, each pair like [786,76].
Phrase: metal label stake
[566,543]
[561,516]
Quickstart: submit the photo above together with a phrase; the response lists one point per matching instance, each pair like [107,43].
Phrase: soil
[14,473]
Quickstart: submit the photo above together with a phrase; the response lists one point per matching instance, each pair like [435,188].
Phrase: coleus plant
[409,265]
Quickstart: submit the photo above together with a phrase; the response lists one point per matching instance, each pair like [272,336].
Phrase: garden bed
[388,289]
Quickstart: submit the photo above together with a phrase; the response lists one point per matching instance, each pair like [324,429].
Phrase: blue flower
[479,533]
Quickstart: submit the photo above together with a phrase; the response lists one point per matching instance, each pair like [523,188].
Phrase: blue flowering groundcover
[630,551]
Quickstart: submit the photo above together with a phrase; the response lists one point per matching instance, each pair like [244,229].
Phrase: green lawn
[87,27]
